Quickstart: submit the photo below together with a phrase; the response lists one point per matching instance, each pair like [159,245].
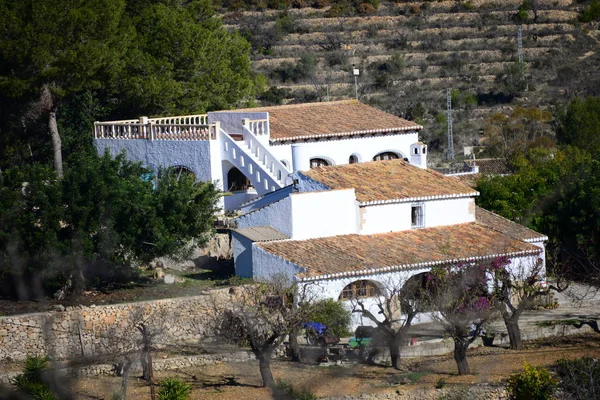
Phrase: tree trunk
[514,332]
[395,355]
[295,347]
[56,143]
[264,363]
[460,355]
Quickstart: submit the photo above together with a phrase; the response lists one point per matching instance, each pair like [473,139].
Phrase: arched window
[353,159]
[386,155]
[180,170]
[237,181]
[360,289]
[318,162]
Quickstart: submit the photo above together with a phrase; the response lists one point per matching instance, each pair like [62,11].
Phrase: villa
[333,195]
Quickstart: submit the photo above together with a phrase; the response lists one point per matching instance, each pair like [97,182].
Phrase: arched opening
[285,163]
[353,159]
[237,181]
[318,162]
[358,289]
[180,170]
[386,155]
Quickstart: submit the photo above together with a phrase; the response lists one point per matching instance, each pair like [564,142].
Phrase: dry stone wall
[109,329]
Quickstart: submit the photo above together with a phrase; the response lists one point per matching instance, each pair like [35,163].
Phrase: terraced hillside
[410,53]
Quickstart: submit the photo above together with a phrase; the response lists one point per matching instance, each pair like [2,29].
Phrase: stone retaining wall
[111,329]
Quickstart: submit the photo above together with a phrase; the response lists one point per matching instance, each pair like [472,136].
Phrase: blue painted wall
[192,154]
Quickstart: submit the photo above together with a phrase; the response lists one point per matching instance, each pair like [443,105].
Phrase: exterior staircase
[252,158]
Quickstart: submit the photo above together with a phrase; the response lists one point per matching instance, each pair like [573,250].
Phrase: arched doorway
[180,170]
[353,159]
[237,181]
[386,155]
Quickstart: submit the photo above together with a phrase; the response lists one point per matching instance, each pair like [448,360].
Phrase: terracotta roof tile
[347,117]
[353,253]
[388,180]
[506,226]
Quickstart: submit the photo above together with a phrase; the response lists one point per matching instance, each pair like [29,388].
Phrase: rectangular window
[417,215]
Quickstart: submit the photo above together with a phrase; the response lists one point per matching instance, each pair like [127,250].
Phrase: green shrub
[534,383]
[579,378]
[286,391]
[334,316]
[591,12]
[31,380]
[174,389]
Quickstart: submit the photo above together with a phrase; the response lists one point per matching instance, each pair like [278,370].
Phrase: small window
[360,289]
[424,149]
[353,159]
[417,219]
[318,162]
[386,155]
[416,150]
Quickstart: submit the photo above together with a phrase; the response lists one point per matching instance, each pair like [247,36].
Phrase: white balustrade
[258,127]
[264,156]
[194,127]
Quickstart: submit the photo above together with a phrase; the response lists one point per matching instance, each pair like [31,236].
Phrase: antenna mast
[520,44]
[449,113]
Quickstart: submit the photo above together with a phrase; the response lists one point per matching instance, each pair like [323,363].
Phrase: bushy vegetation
[333,315]
[534,383]
[284,390]
[33,380]
[591,12]
[85,229]
[579,379]
[174,389]
[555,189]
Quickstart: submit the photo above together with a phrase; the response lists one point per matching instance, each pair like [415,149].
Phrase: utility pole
[355,72]
[520,44]
[449,114]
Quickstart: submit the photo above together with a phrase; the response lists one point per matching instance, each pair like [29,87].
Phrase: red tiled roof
[334,118]
[506,226]
[389,180]
[368,253]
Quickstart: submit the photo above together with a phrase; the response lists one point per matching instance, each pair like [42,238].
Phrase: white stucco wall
[395,217]
[278,215]
[384,218]
[449,212]
[340,150]
[195,155]
[321,214]
[242,255]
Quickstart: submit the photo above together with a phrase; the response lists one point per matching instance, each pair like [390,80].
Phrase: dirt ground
[142,288]
[491,365]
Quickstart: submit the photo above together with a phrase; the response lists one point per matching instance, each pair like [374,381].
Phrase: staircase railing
[271,163]
[241,158]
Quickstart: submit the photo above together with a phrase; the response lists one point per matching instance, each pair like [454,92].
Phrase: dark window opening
[318,162]
[387,155]
[237,181]
[416,216]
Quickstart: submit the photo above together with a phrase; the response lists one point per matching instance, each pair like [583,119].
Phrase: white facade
[213,145]
[338,151]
